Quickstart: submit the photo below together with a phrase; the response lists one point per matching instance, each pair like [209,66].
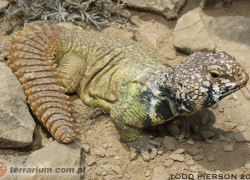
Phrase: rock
[177,157]
[179,151]
[169,9]
[247,165]
[55,155]
[190,141]
[242,136]
[148,173]
[194,151]
[173,129]
[16,123]
[3,5]
[117,157]
[104,173]
[98,171]
[190,34]
[105,146]
[209,141]
[100,153]
[169,144]
[160,173]
[241,128]
[85,148]
[160,151]
[210,158]
[198,157]
[190,162]
[207,134]
[90,160]
[193,169]
[246,135]
[228,147]
[222,138]
[117,169]
[168,163]
[210,3]
[158,37]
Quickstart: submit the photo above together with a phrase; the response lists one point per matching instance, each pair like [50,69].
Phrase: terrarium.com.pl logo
[37,169]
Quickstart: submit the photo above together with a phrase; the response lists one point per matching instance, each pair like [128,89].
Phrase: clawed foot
[145,146]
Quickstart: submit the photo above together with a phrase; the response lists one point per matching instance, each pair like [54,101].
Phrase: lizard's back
[38,56]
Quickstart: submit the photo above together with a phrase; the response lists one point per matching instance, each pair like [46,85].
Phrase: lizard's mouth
[231,91]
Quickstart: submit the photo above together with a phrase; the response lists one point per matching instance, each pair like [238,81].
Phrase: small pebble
[228,147]
[177,157]
[207,134]
[210,158]
[90,160]
[147,173]
[194,151]
[117,157]
[104,173]
[179,151]
[168,163]
[173,129]
[85,148]
[221,110]
[127,176]
[105,146]
[190,141]
[190,162]
[169,144]
[247,165]
[222,138]
[198,157]
[193,168]
[89,132]
[209,141]
[117,169]
[111,154]
[239,137]
[160,151]
[100,153]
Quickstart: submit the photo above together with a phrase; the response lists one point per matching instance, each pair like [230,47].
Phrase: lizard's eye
[214,75]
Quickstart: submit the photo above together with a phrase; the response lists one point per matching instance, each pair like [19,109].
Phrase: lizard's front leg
[71,69]
[129,119]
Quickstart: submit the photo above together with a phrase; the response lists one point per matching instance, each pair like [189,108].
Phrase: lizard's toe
[145,146]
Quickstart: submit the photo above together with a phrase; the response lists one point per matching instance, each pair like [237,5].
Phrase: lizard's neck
[165,85]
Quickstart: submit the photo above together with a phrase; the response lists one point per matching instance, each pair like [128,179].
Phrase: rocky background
[220,136]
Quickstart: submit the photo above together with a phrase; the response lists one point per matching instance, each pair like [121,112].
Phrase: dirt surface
[108,158]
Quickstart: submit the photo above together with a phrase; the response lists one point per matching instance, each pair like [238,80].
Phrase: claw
[145,146]
[133,154]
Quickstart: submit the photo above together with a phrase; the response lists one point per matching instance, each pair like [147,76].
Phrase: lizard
[126,79]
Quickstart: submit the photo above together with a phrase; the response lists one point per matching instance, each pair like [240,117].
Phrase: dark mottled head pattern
[204,78]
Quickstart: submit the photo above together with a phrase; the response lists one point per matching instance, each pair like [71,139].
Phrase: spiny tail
[31,57]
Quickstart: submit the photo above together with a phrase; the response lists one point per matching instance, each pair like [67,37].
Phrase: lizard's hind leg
[71,69]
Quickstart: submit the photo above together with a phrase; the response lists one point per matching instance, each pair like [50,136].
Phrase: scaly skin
[124,78]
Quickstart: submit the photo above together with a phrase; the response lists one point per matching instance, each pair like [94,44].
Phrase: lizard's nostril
[243,78]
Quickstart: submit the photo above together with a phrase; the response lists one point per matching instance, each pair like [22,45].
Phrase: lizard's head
[204,78]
